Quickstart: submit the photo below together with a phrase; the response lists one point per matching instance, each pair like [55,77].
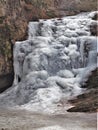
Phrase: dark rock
[92,82]
[95,17]
[6,81]
[94,29]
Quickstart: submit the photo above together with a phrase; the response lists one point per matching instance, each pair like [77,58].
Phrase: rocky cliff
[14,18]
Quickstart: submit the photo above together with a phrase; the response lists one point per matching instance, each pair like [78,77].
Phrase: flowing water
[53,63]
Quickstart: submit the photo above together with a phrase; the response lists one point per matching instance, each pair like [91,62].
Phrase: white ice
[53,63]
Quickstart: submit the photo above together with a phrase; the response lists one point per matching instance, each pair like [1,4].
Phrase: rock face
[14,18]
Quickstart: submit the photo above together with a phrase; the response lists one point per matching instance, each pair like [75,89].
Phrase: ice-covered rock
[54,62]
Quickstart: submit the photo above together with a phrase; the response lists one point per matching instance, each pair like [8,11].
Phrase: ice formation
[53,62]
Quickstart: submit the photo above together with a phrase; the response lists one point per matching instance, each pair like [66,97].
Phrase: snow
[65,74]
[92,14]
[52,128]
[53,63]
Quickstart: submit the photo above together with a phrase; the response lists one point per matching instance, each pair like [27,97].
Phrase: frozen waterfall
[53,63]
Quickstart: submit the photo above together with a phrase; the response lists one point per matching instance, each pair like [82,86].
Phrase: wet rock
[94,29]
[6,81]
[95,17]
[85,103]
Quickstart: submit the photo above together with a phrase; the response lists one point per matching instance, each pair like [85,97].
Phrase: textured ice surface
[54,62]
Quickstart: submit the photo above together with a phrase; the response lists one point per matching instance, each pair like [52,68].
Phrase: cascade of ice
[54,62]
